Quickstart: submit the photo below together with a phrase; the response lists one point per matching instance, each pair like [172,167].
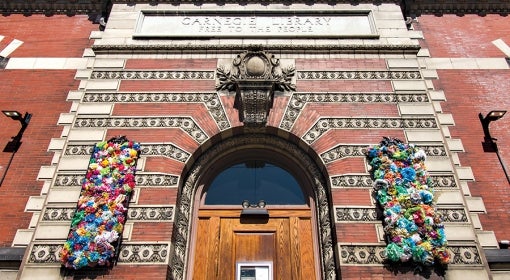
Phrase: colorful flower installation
[101,211]
[414,231]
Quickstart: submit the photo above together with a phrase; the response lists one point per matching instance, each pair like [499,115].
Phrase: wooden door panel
[222,240]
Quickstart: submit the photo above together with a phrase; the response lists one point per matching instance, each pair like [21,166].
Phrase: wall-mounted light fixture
[491,116]
[13,145]
[490,142]
[254,210]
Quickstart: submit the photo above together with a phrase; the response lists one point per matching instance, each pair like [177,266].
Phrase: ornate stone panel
[187,124]
[298,101]
[325,124]
[365,181]
[342,151]
[364,214]
[373,255]
[129,253]
[147,149]
[358,75]
[210,100]
[143,179]
[148,75]
[135,213]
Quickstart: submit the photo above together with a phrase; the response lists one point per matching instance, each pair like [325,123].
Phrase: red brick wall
[467,36]
[470,92]
[40,92]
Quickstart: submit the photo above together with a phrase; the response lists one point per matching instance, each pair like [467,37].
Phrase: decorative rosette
[414,231]
[101,211]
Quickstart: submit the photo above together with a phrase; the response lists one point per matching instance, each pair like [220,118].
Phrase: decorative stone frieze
[364,181]
[374,255]
[298,101]
[153,75]
[342,151]
[325,124]
[187,124]
[143,179]
[365,214]
[167,150]
[210,100]
[254,76]
[135,213]
[129,253]
[358,75]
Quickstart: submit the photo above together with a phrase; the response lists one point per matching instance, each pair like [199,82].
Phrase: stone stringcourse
[187,124]
[374,255]
[102,207]
[413,228]
[144,179]
[345,150]
[358,75]
[366,214]
[364,181]
[298,101]
[134,213]
[325,124]
[148,149]
[150,75]
[210,100]
[129,253]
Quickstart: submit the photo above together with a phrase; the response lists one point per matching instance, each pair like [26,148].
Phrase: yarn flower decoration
[102,206]
[414,231]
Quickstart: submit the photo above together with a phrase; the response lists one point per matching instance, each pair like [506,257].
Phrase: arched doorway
[212,239]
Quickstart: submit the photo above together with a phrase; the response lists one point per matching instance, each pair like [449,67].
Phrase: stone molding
[151,75]
[360,48]
[143,179]
[210,100]
[346,150]
[129,253]
[298,101]
[136,213]
[187,124]
[325,124]
[351,254]
[410,7]
[446,181]
[367,214]
[359,75]
[147,149]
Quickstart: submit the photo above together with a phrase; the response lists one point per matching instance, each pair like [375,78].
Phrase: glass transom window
[254,181]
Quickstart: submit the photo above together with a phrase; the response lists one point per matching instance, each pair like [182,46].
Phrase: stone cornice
[409,7]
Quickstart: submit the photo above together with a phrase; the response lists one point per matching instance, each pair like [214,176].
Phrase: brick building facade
[342,76]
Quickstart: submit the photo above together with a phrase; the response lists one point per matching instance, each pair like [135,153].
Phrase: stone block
[89,135]
[475,204]
[68,195]
[66,118]
[74,163]
[46,173]
[416,136]
[409,85]
[47,272]
[465,273]
[34,203]
[51,231]
[22,237]
[459,232]
[102,85]
[465,173]
[415,109]
[402,63]
[95,109]
[56,144]
[487,239]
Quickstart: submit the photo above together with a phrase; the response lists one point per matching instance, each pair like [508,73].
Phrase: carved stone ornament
[255,76]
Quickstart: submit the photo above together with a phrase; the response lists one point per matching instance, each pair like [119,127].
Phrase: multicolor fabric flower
[101,211]
[414,231]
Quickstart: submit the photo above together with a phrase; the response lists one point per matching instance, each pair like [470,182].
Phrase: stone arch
[182,232]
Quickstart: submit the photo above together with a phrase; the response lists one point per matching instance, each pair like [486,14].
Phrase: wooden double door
[225,242]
